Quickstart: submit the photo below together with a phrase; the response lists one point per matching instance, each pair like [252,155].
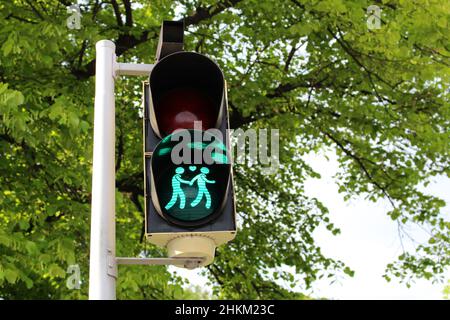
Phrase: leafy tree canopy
[313,69]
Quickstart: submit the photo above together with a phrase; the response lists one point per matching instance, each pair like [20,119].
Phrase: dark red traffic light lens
[180,107]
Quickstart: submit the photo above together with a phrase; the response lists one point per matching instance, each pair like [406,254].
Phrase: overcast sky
[369,240]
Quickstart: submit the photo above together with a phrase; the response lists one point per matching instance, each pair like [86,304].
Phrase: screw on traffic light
[189,195]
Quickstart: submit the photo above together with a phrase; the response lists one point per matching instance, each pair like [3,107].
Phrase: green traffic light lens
[191,170]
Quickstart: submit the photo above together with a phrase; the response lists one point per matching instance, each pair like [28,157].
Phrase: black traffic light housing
[198,82]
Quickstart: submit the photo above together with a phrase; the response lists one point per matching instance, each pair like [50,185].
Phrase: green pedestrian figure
[202,189]
[177,192]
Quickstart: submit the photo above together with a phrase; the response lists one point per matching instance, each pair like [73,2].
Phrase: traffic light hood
[185,87]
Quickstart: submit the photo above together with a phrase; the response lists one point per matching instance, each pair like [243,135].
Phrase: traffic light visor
[185,87]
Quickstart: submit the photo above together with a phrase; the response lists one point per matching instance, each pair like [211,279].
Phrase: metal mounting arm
[189,263]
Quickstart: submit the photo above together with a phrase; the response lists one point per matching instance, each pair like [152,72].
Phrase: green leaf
[11,275]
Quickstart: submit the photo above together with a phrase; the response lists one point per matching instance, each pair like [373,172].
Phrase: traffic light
[189,195]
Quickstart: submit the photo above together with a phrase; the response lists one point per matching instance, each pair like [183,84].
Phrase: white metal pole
[102,278]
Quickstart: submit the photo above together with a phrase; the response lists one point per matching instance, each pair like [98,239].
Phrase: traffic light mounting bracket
[188,263]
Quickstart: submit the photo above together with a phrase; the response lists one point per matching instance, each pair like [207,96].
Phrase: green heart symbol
[192,168]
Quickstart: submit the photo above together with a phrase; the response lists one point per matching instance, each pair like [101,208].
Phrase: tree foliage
[313,69]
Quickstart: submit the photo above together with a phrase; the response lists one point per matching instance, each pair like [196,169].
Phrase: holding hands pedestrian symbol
[177,191]
[202,189]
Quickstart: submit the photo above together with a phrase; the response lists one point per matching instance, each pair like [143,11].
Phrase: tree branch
[359,161]
[202,13]
[126,41]
[19,18]
[291,55]
[131,183]
[349,51]
[117,13]
[128,13]
[35,10]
